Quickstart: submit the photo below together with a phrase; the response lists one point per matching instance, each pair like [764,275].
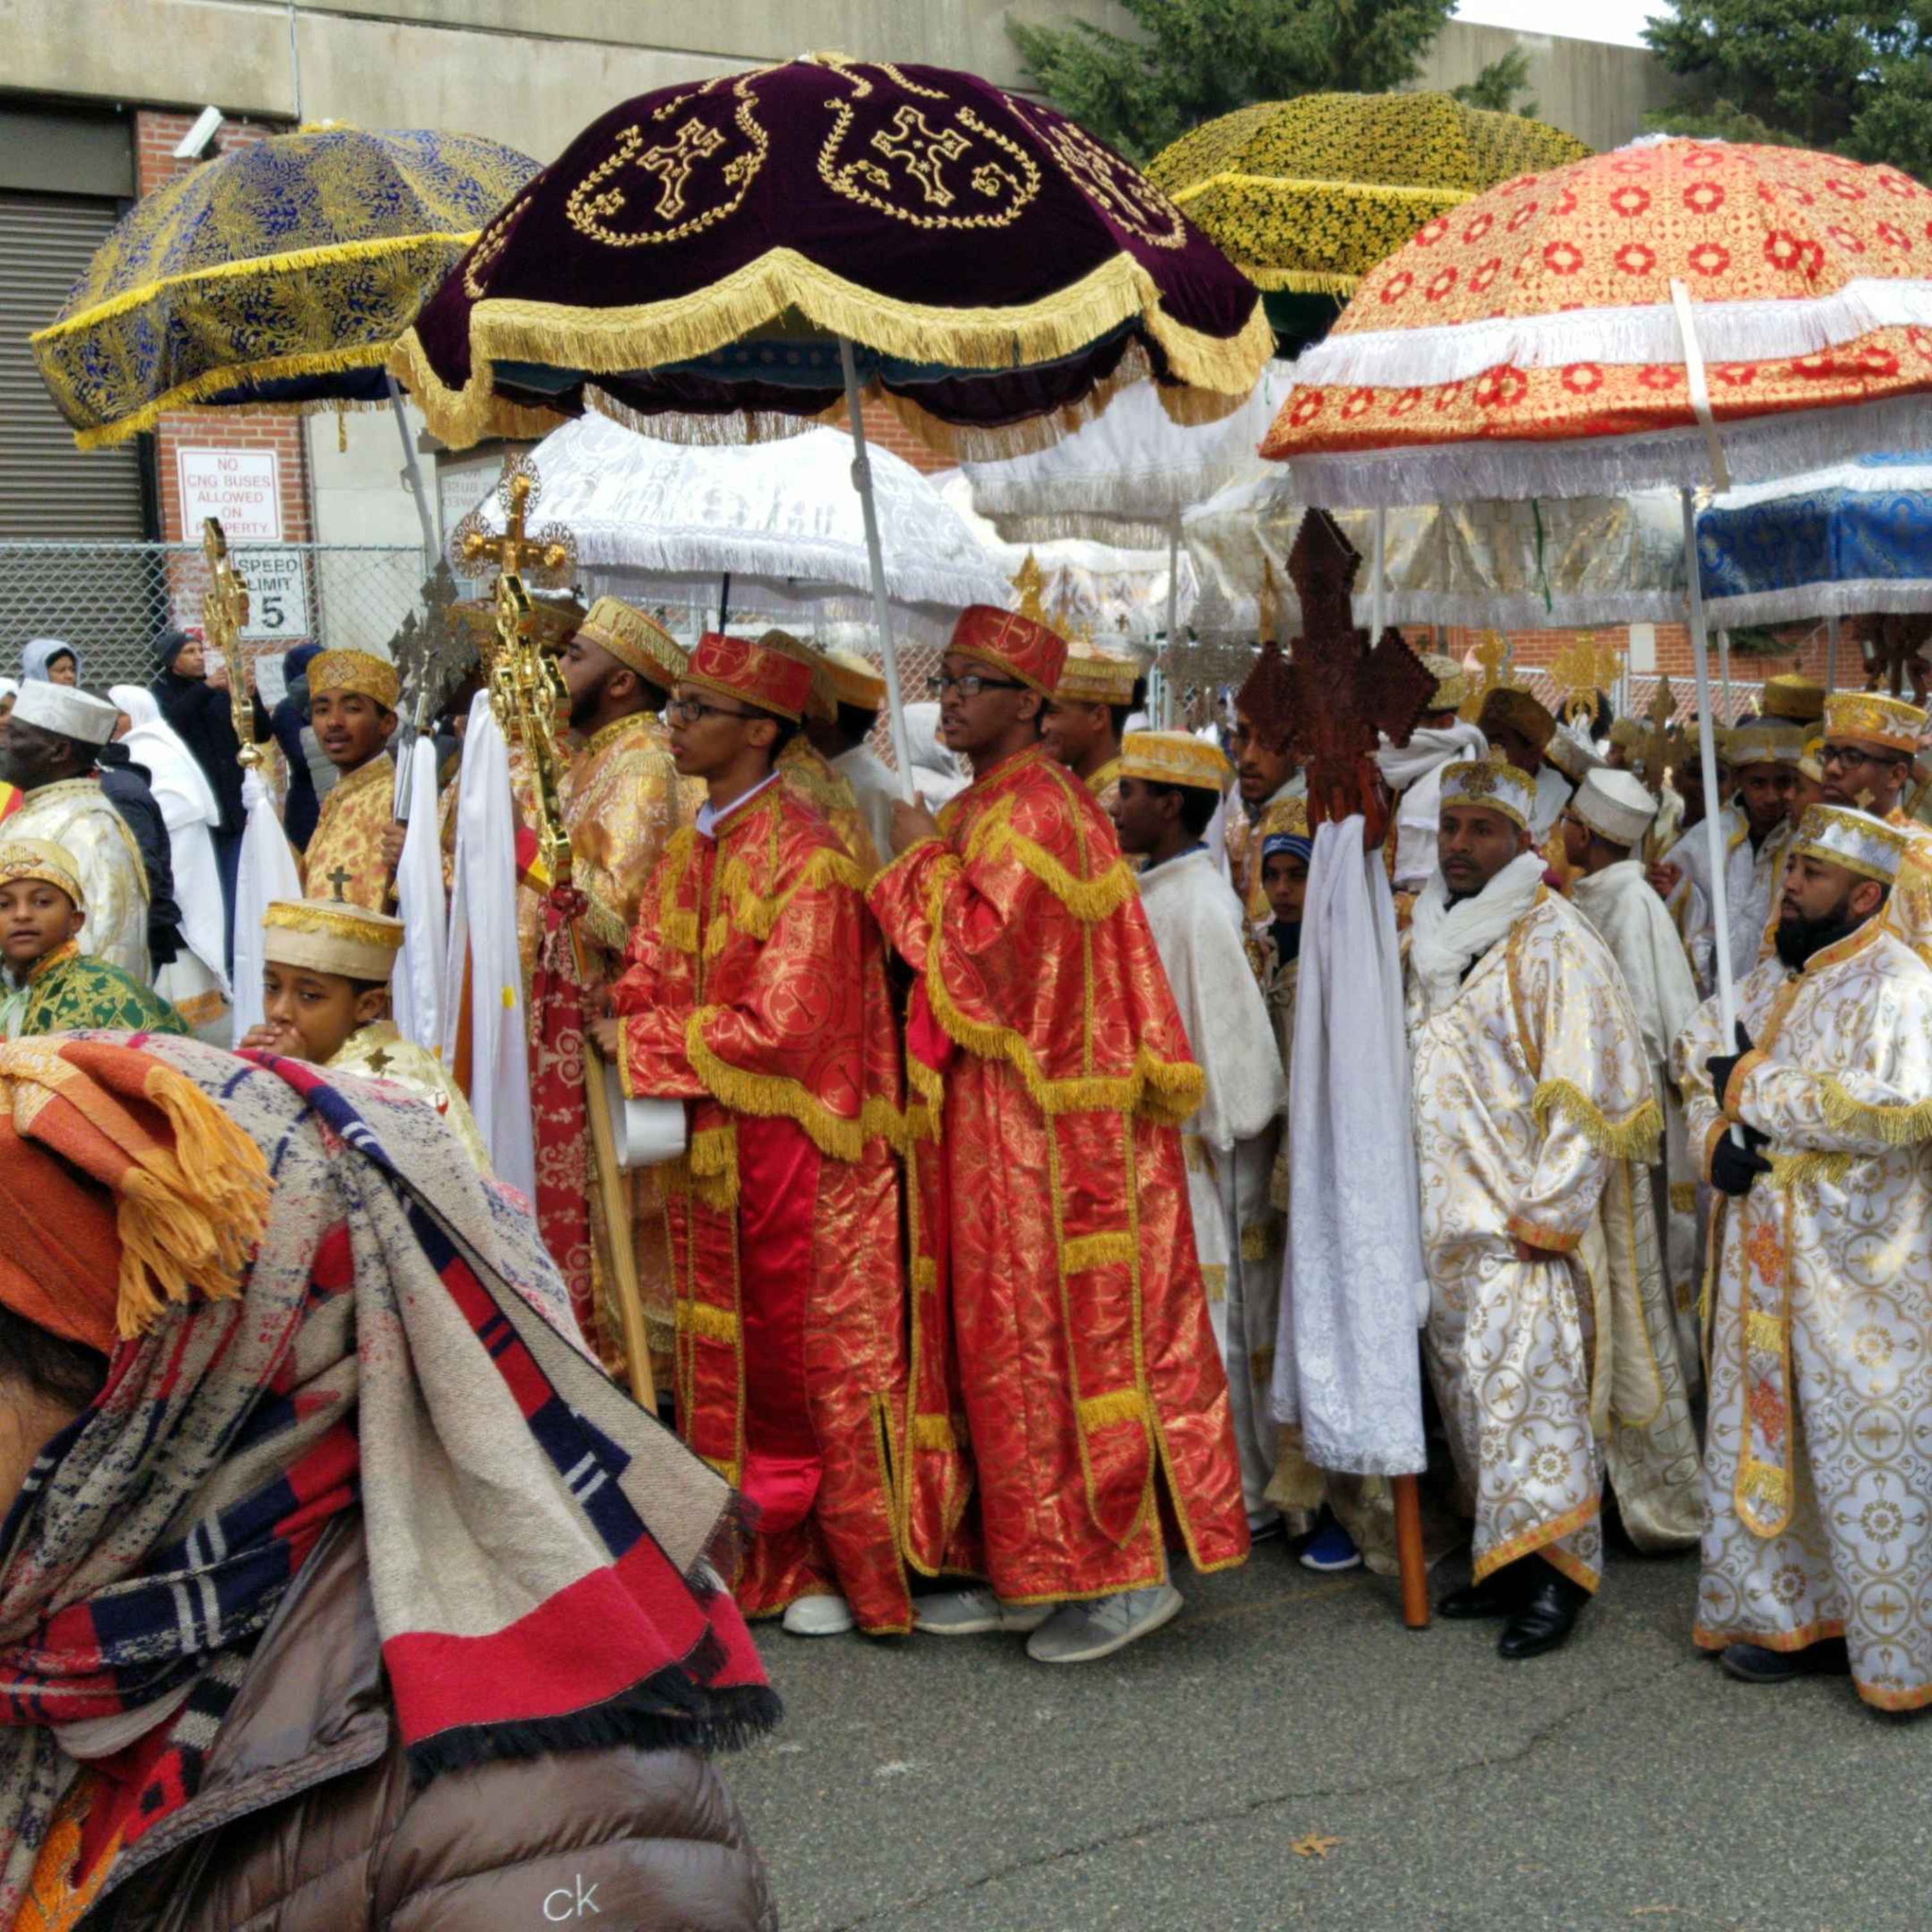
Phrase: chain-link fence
[111,600]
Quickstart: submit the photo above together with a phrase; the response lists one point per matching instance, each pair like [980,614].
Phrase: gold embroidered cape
[77,814]
[344,859]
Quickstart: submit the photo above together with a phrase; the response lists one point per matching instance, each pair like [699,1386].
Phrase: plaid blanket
[401,1340]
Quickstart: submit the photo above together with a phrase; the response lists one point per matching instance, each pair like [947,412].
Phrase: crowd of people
[965,1285]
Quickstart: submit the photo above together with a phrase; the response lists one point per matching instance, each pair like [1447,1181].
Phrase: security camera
[195,141]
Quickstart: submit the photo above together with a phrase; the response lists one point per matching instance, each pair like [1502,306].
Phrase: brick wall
[885,429]
[156,134]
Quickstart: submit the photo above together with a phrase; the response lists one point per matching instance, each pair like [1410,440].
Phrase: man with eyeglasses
[754,990]
[1065,1370]
[1871,743]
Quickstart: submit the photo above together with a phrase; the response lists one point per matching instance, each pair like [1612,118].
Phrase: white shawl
[1631,921]
[1353,1286]
[1445,940]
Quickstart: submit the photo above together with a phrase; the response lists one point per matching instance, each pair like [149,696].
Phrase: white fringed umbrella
[669,523]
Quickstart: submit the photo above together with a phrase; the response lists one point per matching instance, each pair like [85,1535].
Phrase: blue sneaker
[1331,1548]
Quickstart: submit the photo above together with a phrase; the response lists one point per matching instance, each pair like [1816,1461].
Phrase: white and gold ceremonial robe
[1200,932]
[77,814]
[1630,920]
[1753,874]
[1535,1119]
[1818,1451]
[1908,911]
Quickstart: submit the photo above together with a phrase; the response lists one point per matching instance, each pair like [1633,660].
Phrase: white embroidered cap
[59,707]
[1492,785]
[1855,840]
[1614,805]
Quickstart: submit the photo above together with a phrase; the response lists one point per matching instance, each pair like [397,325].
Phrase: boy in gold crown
[353,707]
[325,994]
[53,986]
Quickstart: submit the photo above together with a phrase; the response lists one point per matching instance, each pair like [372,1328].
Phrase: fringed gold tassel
[1093,1251]
[1795,1170]
[1087,900]
[776,1097]
[1123,1405]
[190,1215]
[1896,1127]
[1634,1137]
[758,917]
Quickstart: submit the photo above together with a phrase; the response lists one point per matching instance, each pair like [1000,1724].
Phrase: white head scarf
[39,653]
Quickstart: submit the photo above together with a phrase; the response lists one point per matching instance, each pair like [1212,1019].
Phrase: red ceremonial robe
[1062,1358]
[754,988]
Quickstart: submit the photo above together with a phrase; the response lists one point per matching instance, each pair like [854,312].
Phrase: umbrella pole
[862,481]
[1723,664]
[412,470]
[1169,708]
[1831,655]
[1713,832]
[1377,589]
[724,602]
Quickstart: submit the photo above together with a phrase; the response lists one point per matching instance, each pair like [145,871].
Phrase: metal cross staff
[526,692]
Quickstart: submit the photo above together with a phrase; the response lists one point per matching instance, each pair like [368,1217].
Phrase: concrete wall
[533,72]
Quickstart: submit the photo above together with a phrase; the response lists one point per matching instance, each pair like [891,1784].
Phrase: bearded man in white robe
[1757,831]
[1868,761]
[1166,789]
[1413,772]
[1815,1126]
[1606,822]
[1549,1338]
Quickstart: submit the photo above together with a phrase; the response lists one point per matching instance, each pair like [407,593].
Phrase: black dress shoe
[1753,1664]
[1546,1616]
[1497,1595]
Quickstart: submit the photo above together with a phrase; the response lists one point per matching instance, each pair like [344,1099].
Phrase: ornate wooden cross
[1653,753]
[1349,690]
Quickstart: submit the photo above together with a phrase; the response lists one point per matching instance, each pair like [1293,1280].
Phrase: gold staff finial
[224,615]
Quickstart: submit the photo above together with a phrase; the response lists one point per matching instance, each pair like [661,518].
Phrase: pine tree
[1196,59]
[1854,80]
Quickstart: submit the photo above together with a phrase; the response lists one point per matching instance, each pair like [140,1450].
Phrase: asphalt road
[1285,1754]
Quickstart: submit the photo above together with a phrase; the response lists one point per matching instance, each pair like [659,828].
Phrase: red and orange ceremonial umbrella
[735,257]
[1678,312]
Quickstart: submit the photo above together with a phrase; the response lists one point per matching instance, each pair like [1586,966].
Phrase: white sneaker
[975,1612]
[1083,1633]
[819,1616]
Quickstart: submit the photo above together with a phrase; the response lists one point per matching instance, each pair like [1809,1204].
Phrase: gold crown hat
[843,677]
[638,642]
[1574,759]
[1175,758]
[1766,744]
[1629,732]
[360,673]
[325,936]
[1688,743]
[1493,785]
[1452,682]
[1510,704]
[41,858]
[1795,699]
[1863,718]
[555,619]
[1097,677]
[1855,840]
[1812,765]
[1614,805]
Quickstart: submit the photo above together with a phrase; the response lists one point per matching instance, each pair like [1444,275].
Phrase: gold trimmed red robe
[807,772]
[344,859]
[1063,1367]
[755,990]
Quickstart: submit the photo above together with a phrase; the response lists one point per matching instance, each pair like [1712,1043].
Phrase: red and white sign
[242,486]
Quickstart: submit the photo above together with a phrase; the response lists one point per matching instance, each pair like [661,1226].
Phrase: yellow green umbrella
[1306,195]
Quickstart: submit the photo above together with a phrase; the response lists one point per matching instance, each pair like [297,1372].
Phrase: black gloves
[1722,1066]
[1733,1168]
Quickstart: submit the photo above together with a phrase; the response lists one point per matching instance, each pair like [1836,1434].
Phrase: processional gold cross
[1581,669]
[1653,758]
[224,615]
[1492,655]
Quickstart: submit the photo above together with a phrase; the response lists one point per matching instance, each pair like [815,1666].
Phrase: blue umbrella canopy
[1853,539]
[278,276]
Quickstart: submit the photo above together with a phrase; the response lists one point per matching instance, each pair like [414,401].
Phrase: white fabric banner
[483,937]
[268,872]
[1348,1366]
[417,995]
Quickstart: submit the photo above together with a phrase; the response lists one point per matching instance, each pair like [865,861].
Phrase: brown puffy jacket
[308,1821]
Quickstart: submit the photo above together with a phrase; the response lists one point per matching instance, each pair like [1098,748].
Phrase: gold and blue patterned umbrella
[276,276]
